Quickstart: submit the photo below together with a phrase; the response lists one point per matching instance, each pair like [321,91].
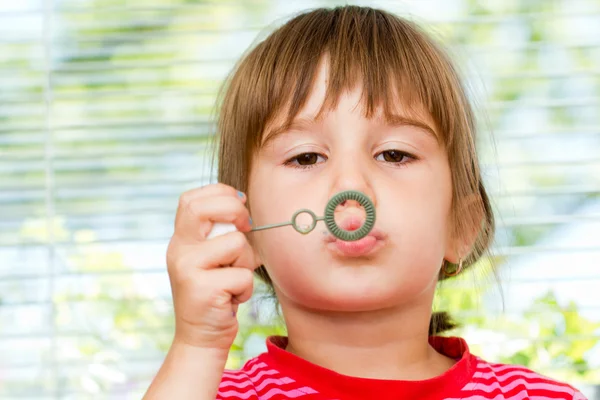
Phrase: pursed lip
[376,233]
[358,248]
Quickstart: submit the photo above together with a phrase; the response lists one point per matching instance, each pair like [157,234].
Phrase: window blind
[105,119]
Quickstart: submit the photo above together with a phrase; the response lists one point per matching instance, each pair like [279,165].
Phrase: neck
[384,344]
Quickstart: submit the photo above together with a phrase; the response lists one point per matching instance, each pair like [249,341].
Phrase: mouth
[358,248]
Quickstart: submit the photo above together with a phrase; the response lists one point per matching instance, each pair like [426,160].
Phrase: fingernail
[240,194]
[250,220]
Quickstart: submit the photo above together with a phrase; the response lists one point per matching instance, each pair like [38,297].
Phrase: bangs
[390,59]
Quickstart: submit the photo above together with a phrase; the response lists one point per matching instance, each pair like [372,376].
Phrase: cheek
[436,197]
[293,261]
[271,202]
[418,216]
[421,207]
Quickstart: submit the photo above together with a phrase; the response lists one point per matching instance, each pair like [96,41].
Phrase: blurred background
[105,117]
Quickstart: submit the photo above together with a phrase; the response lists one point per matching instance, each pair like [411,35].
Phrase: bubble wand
[328,218]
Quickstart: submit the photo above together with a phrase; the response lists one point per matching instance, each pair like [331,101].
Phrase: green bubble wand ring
[328,217]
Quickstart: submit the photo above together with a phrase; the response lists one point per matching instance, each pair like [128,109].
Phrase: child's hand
[209,278]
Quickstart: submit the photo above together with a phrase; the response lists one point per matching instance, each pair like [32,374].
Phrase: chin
[350,295]
[328,282]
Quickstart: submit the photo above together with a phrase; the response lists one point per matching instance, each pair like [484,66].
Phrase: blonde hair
[394,61]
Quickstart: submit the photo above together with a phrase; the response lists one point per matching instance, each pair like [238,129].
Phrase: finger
[227,250]
[237,284]
[194,219]
[231,249]
[216,189]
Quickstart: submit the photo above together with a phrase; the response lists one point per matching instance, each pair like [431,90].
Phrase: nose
[351,173]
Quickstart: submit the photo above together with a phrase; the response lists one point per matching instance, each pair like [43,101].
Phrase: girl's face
[400,166]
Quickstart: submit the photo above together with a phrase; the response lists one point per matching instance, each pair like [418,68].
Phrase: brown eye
[307,158]
[393,156]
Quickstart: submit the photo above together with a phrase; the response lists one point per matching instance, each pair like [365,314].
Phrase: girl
[350,98]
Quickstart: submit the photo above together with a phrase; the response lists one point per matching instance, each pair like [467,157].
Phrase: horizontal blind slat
[125,72]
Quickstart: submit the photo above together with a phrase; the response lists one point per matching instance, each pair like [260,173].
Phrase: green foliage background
[132,81]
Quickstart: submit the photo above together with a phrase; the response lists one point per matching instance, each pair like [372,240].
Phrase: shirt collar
[338,386]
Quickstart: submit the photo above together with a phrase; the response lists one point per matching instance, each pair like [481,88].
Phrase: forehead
[320,102]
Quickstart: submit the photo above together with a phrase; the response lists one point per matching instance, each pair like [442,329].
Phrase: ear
[464,228]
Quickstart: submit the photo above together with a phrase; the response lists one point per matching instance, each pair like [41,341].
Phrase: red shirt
[278,374]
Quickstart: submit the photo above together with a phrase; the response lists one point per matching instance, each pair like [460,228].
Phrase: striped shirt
[278,374]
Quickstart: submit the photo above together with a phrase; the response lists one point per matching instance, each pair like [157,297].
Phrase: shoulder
[493,380]
[254,380]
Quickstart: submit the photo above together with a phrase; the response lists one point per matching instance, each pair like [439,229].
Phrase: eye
[394,156]
[305,160]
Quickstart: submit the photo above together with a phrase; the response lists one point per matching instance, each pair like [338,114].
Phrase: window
[105,113]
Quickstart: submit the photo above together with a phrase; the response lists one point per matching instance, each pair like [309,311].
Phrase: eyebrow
[298,124]
[401,120]
[305,123]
